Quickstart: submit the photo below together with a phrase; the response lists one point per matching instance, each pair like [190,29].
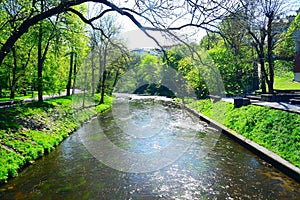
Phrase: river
[149,149]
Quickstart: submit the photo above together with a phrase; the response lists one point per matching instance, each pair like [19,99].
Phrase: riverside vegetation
[33,130]
[276,130]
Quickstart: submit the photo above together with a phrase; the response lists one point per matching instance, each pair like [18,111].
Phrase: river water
[149,149]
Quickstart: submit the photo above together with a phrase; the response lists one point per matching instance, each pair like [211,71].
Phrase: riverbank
[276,130]
[30,131]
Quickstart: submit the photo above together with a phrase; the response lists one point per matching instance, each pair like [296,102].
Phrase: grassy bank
[286,83]
[30,131]
[278,131]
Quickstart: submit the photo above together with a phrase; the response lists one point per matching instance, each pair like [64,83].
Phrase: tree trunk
[70,75]
[255,83]
[93,72]
[103,76]
[115,81]
[25,80]
[74,74]
[261,55]
[103,87]
[262,72]
[263,82]
[40,60]
[270,54]
[14,74]
[84,90]
[100,70]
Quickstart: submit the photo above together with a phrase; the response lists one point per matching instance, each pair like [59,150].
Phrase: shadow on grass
[9,116]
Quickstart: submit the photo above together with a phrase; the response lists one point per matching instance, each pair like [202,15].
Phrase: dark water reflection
[227,172]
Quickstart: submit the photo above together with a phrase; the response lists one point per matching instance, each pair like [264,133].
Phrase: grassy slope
[18,96]
[278,131]
[29,131]
[286,82]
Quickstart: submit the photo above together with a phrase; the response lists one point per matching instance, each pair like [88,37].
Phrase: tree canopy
[43,43]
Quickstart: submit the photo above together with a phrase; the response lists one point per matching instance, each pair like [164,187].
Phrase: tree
[159,15]
[107,47]
[74,34]
[46,39]
[234,54]
[257,17]
[285,48]
[20,55]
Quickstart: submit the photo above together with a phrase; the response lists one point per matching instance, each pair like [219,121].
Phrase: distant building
[282,24]
[138,51]
[147,50]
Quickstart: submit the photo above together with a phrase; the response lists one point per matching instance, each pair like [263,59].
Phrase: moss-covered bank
[30,131]
[278,131]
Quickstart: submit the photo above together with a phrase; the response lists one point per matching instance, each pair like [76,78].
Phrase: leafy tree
[157,15]
[47,40]
[285,49]
[236,70]
[257,17]
[107,47]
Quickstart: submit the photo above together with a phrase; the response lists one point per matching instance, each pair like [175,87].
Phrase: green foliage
[284,68]
[10,162]
[107,103]
[285,47]
[276,130]
[102,108]
[236,70]
[205,69]
[30,131]
[285,82]
[61,34]
[194,70]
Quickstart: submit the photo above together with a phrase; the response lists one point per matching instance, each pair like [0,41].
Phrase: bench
[286,91]
[239,102]
[281,97]
[295,101]
[253,97]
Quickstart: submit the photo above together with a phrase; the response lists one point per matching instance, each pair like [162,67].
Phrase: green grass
[29,131]
[277,130]
[286,83]
[19,96]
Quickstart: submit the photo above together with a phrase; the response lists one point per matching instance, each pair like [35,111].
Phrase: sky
[135,38]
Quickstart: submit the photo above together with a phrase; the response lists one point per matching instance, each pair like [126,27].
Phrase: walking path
[277,105]
[12,103]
